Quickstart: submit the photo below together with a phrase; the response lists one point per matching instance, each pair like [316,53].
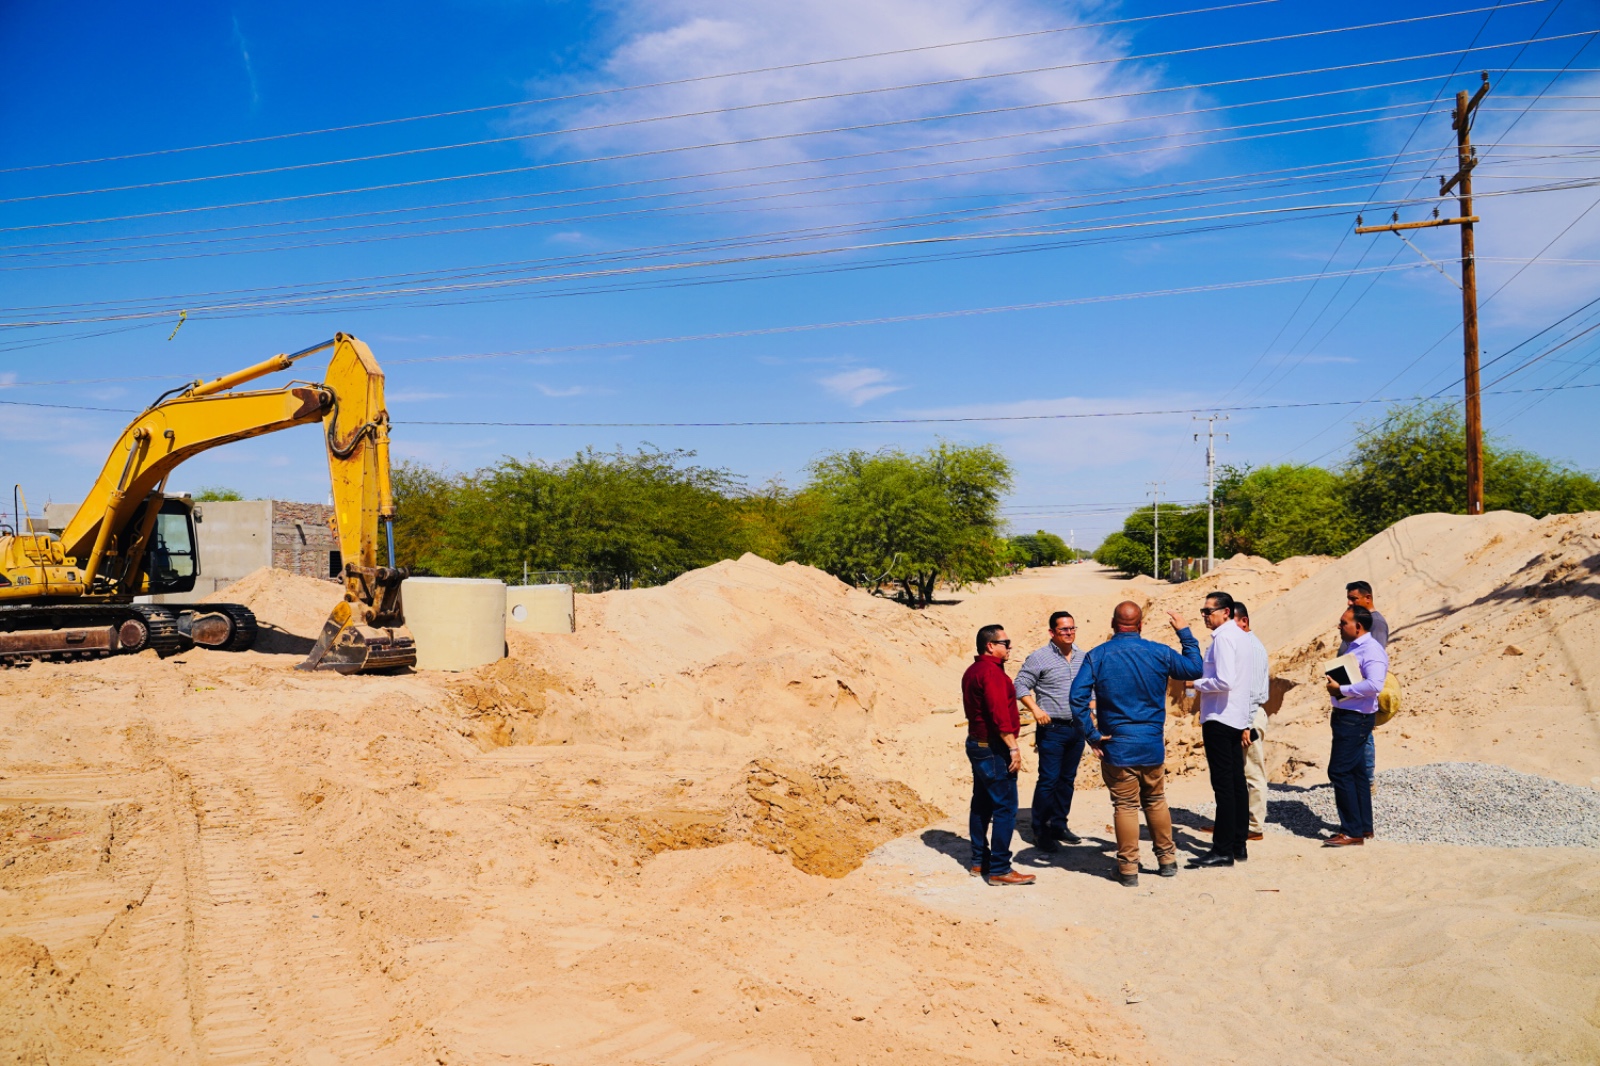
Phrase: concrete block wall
[303,541]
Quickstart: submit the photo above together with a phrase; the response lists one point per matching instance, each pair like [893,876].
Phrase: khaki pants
[1133,787]
[1255,773]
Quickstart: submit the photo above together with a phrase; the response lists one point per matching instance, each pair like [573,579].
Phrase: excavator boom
[114,532]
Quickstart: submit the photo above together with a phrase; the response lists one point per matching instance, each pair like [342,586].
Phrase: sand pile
[1494,625]
[744,658]
[289,608]
[824,820]
[1249,578]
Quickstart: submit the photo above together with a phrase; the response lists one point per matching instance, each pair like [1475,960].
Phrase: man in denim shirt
[1044,685]
[1127,676]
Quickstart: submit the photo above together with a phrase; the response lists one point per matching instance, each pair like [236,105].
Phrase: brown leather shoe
[1339,840]
[974,871]
[1366,836]
[1012,878]
[1256,836]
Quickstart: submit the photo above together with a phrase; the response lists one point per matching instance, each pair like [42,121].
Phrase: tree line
[1411,462]
[894,521]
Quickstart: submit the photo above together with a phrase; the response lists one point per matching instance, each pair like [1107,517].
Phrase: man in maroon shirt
[992,723]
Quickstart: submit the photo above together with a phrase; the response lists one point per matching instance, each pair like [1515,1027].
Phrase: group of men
[1112,700]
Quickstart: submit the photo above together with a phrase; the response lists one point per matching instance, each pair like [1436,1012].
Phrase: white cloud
[571,390]
[677,39]
[1083,440]
[856,387]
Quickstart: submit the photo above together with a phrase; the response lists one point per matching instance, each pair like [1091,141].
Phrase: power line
[753,169]
[1345,235]
[19,251]
[1038,205]
[649,341]
[1552,243]
[859,421]
[469,286]
[913,244]
[986,112]
[568,98]
[740,108]
[1434,396]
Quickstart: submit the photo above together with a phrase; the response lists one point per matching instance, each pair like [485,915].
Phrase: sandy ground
[714,826]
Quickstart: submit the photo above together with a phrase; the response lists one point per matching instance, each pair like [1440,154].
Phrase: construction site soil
[723,823]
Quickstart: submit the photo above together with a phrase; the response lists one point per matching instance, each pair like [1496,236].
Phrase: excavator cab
[172,560]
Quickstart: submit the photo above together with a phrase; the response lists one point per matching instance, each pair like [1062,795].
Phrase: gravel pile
[1470,803]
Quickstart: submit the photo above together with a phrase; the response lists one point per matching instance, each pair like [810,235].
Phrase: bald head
[1127,618]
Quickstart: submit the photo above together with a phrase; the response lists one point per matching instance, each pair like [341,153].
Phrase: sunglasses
[1211,610]
[1005,643]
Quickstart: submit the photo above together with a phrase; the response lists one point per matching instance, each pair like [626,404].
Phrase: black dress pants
[1225,757]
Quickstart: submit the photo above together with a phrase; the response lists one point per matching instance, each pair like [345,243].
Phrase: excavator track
[243,637]
[163,627]
[74,632]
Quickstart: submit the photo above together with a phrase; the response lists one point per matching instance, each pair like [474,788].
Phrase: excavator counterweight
[73,596]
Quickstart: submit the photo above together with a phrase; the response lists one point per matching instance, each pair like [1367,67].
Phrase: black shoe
[1128,880]
[1069,837]
[1208,860]
[1169,869]
[1242,854]
[1046,845]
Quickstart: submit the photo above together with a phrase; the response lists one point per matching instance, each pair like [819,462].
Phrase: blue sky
[1092,171]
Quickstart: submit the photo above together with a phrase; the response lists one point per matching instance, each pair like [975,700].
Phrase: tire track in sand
[272,983]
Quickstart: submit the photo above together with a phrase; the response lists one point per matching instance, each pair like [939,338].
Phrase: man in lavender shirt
[1353,709]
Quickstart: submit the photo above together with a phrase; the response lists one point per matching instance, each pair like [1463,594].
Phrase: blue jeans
[994,808]
[1347,772]
[1372,757]
[1060,751]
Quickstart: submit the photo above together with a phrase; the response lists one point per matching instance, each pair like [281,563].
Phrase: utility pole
[1155,555]
[1466,160]
[1211,485]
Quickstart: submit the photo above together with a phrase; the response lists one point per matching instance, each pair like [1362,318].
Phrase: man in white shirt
[1225,689]
[1255,759]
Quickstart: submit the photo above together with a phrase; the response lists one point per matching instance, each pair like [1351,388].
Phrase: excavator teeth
[358,649]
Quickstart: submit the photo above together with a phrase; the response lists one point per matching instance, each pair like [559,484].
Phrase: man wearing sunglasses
[990,701]
[1226,689]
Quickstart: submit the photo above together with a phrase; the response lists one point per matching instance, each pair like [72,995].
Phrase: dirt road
[707,828]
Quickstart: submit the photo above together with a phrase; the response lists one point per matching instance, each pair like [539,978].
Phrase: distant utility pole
[1466,160]
[1211,485]
[1155,560]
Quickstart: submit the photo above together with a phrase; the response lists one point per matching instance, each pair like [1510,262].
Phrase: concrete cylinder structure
[540,609]
[458,623]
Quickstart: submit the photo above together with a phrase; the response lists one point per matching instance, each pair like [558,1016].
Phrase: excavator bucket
[366,635]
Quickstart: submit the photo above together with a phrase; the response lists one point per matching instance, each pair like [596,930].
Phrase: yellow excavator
[72,596]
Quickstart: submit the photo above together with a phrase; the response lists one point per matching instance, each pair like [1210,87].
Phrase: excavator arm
[107,534]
